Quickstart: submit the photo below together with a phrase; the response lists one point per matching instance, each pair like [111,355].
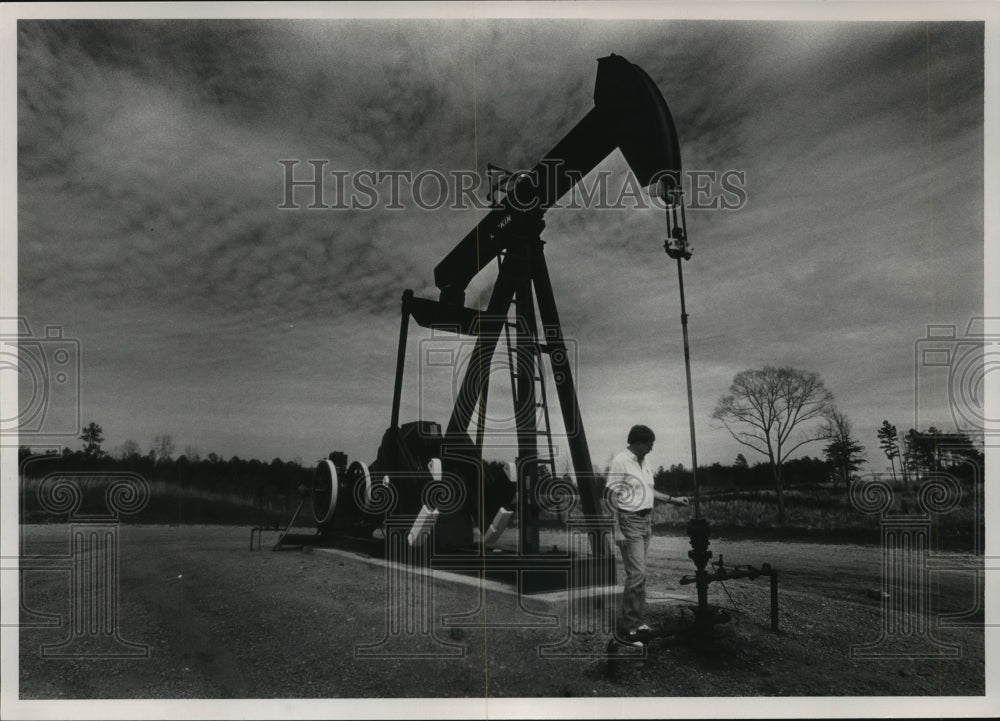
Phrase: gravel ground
[221,622]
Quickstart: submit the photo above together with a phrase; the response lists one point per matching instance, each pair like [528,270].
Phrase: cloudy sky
[149,225]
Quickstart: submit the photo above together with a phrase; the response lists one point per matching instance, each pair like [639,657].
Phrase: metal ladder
[538,375]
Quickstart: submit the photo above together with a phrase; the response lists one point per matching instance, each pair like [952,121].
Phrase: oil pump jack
[416,460]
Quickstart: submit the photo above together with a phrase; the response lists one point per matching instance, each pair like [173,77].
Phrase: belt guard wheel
[358,477]
[323,491]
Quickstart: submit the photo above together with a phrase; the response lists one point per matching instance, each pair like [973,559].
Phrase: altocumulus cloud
[149,225]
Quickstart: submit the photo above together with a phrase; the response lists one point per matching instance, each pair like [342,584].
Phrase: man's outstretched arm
[674,500]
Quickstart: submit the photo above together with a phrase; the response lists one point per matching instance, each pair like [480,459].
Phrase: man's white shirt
[630,483]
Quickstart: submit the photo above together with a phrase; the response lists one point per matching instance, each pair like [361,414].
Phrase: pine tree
[843,453]
[92,436]
[889,443]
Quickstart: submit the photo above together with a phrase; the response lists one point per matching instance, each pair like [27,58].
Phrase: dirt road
[221,622]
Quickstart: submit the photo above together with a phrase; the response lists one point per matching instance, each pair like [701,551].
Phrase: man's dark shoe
[631,637]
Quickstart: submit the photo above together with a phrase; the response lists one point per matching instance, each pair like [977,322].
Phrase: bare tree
[763,408]
[163,448]
[129,449]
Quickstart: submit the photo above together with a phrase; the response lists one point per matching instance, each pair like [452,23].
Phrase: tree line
[248,478]
[678,480]
[773,411]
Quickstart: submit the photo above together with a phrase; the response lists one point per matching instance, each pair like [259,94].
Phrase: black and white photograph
[498,360]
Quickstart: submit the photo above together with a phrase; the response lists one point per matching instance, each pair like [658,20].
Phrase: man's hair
[640,434]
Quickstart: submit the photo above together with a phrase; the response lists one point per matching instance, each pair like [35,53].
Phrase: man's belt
[644,512]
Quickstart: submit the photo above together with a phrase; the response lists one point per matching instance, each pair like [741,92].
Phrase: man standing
[630,485]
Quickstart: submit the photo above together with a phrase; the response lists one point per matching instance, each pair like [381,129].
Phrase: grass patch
[823,513]
[167,503]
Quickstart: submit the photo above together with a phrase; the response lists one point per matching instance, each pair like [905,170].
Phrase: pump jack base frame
[546,572]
